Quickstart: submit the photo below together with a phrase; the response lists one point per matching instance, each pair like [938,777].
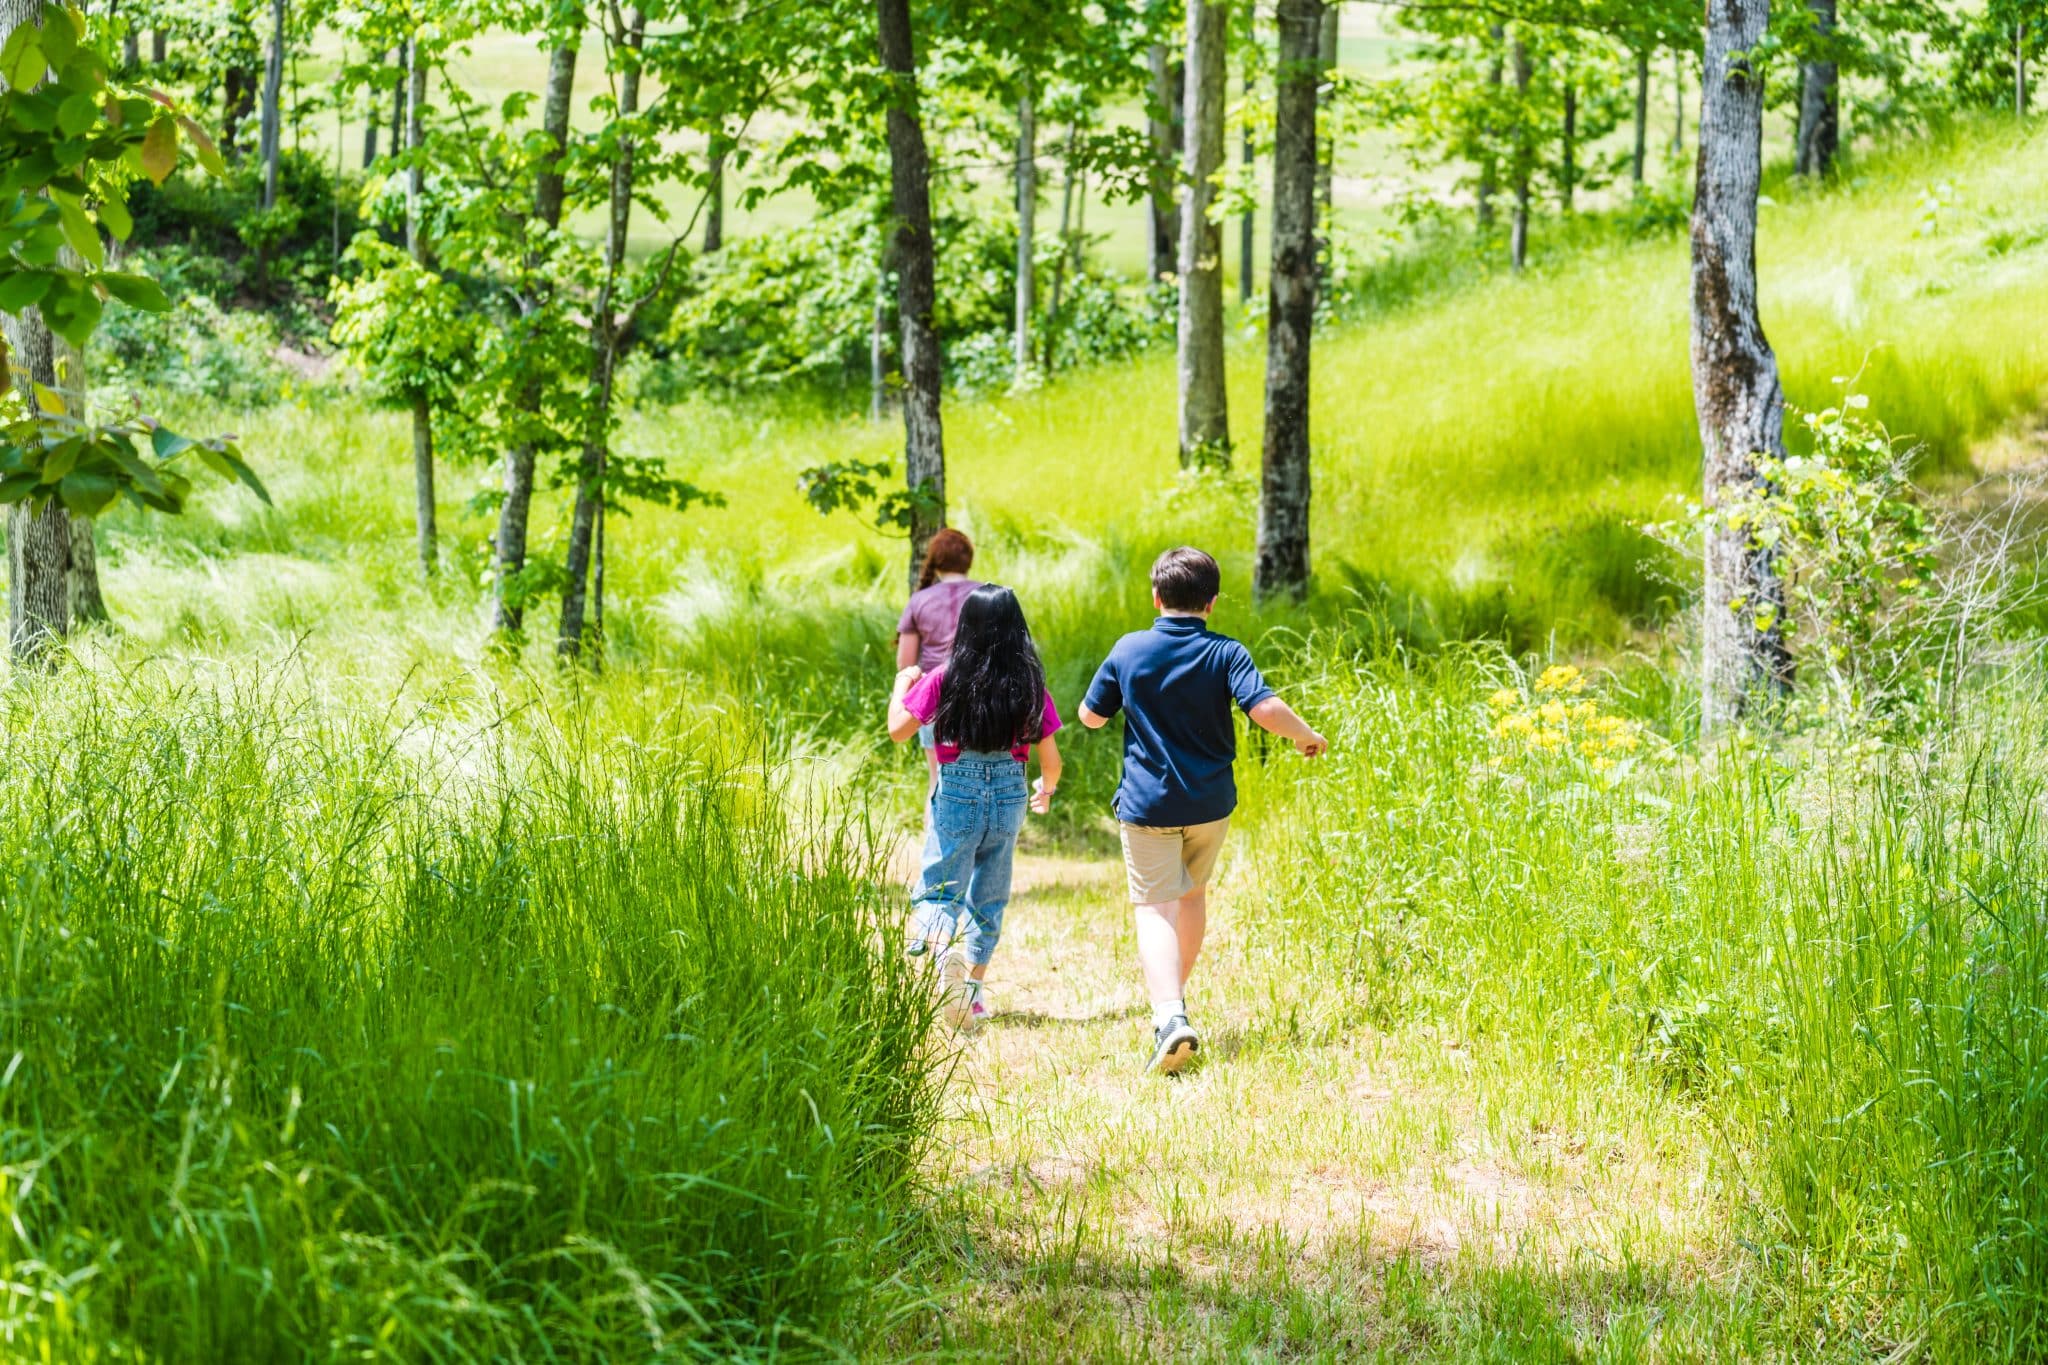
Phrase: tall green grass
[434,1032]
[1837,958]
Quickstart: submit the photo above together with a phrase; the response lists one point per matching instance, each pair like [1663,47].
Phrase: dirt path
[1308,1150]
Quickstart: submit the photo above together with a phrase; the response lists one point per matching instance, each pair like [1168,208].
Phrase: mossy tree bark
[1204,408]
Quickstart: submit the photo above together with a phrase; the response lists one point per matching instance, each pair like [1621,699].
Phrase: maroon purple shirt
[933,615]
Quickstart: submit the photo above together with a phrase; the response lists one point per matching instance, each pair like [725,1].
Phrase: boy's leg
[1200,846]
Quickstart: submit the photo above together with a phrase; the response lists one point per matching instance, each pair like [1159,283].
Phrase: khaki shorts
[1166,862]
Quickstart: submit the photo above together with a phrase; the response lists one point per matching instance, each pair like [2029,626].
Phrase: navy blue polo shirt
[1174,684]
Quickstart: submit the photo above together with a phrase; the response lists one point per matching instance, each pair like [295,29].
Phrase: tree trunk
[88,603]
[1735,374]
[370,137]
[1489,155]
[398,59]
[1642,143]
[1282,564]
[604,353]
[910,199]
[508,614]
[714,203]
[1059,265]
[159,46]
[1524,157]
[1326,146]
[1819,102]
[1169,82]
[1247,229]
[1678,102]
[239,90]
[1027,230]
[416,243]
[2019,71]
[273,104]
[38,545]
[1568,179]
[131,50]
[1204,409]
[878,342]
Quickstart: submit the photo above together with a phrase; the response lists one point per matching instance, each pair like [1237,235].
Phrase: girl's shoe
[956,993]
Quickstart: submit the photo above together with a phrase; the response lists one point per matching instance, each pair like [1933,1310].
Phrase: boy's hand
[1312,745]
[1041,796]
[904,678]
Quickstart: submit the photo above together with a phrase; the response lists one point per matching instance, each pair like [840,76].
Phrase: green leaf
[60,35]
[62,460]
[80,232]
[137,291]
[49,400]
[87,495]
[76,114]
[167,443]
[202,146]
[22,60]
[15,487]
[73,312]
[159,155]
[21,289]
[114,214]
[139,475]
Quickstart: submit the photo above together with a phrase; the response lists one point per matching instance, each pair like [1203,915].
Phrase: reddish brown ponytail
[950,552]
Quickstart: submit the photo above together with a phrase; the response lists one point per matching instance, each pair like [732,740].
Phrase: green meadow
[375,995]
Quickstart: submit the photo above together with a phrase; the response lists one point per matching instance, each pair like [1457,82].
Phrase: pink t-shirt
[922,701]
[933,615]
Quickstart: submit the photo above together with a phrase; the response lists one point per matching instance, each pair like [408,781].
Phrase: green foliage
[406,325]
[408,1063]
[196,349]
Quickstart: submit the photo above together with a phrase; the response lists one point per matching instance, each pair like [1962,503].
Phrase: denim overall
[970,835]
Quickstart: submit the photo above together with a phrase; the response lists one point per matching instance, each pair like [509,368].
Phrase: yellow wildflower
[1505,699]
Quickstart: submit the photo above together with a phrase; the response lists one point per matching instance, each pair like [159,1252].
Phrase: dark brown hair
[1186,579]
[950,552]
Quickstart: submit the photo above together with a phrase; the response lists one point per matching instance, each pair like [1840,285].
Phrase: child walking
[924,636]
[1174,685]
[987,708]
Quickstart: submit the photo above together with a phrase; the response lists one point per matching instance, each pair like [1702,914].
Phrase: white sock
[1165,1010]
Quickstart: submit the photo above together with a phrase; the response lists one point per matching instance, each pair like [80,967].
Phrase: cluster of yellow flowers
[1554,718]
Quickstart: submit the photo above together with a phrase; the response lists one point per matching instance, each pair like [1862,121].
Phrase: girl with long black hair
[989,709]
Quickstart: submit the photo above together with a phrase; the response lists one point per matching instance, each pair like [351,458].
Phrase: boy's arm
[1090,719]
[1276,717]
[1105,696]
[1048,782]
[903,722]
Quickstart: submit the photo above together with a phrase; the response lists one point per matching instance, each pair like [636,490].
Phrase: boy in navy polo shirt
[1174,685]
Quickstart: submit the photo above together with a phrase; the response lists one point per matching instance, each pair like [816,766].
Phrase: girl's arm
[1048,775]
[902,722]
[906,648]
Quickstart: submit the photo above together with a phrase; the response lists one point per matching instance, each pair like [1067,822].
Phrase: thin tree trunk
[604,352]
[1568,179]
[1735,374]
[370,137]
[714,203]
[398,59]
[1489,156]
[508,613]
[878,342]
[1027,230]
[1059,268]
[1247,229]
[1282,562]
[1642,143]
[1169,81]
[2019,71]
[416,243]
[1204,408]
[88,603]
[38,544]
[924,446]
[1524,157]
[1819,102]
[1326,145]
[131,50]
[239,91]
[1677,102]
[273,104]
[159,46]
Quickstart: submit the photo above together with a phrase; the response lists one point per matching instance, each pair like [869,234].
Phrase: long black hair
[993,697]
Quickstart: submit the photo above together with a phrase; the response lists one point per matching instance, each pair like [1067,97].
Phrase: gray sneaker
[1174,1043]
[956,993]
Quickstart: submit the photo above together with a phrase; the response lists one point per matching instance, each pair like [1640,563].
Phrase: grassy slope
[1476,1157]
